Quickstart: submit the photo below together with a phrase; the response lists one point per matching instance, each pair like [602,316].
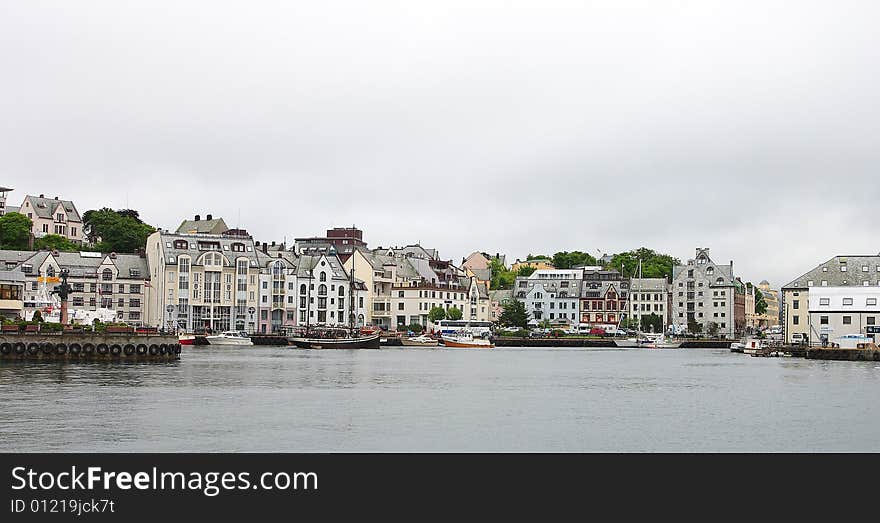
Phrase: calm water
[248,399]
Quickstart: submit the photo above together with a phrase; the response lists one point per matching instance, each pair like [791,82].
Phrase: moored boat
[466,340]
[335,339]
[186,339]
[419,341]
[230,338]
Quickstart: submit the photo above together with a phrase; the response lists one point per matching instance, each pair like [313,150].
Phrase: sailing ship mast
[351,297]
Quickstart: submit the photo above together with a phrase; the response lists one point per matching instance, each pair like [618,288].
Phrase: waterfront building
[604,297]
[703,292]
[341,241]
[839,271]
[379,273]
[841,311]
[278,303]
[202,281]
[411,302]
[552,295]
[539,264]
[112,282]
[649,296]
[209,225]
[325,291]
[53,216]
[12,284]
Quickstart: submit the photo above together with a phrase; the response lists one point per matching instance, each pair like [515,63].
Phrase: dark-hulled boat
[335,339]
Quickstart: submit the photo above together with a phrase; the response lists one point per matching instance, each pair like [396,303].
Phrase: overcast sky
[747,127]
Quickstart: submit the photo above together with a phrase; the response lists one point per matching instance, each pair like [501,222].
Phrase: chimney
[42,196]
[56,197]
[273,244]
[198,217]
[209,217]
[257,244]
[265,248]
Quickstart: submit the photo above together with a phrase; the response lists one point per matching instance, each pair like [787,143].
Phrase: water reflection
[277,399]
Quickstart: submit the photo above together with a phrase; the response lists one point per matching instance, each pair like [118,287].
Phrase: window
[847,320]
[847,301]
[795,320]
[323,276]
[810,283]
[823,320]
[400,306]
[824,283]
[871,301]
[107,274]
[824,301]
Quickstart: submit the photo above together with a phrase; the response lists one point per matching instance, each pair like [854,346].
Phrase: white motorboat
[230,338]
[464,339]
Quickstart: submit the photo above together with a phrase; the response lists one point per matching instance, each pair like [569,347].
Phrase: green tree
[654,265]
[55,242]
[532,257]
[118,231]
[436,314]
[712,329]
[453,313]
[416,327]
[15,230]
[514,314]
[652,323]
[567,260]
[694,327]
[525,271]
[760,302]
[38,317]
[502,278]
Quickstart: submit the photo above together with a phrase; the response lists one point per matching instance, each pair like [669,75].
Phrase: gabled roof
[81,265]
[838,278]
[212,226]
[45,207]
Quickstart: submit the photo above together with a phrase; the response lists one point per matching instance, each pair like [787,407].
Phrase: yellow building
[537,264]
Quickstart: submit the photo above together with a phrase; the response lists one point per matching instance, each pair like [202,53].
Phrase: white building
[649,296]
[110,282]
[703,292]
[551,294]
[202,281]
[838,311]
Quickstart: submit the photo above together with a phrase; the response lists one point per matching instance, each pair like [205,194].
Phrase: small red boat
[186,339]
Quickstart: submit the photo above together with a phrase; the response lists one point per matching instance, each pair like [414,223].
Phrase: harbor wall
[819,353]
[89,347]
[504,341]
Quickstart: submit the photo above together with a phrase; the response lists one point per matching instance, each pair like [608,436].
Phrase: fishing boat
[464,339]
[419,341]
[335,337]
[230,338]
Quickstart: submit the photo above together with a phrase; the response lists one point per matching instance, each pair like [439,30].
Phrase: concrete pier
[819,353]
[89,347]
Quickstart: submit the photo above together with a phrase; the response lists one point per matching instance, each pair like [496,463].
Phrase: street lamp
[169,309]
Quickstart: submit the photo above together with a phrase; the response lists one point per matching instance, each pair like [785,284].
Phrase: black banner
[124,486]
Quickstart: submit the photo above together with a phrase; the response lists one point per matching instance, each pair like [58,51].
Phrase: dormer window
[180,244]
[710,270]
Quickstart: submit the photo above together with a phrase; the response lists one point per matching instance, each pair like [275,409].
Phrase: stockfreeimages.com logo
[209,483]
